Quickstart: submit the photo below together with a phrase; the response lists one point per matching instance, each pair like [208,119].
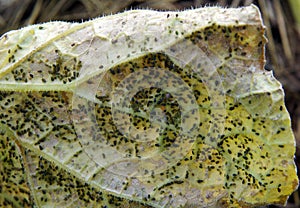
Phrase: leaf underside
[143,109]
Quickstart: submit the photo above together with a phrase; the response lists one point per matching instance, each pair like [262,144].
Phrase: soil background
[281,17]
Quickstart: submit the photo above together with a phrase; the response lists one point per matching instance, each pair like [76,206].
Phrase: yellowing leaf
[143,109]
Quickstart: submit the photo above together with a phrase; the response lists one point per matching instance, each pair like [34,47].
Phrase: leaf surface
[143,109]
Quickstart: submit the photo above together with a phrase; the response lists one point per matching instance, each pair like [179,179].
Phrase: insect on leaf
[143,109]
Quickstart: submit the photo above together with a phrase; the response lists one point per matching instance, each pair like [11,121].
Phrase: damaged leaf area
[143,109]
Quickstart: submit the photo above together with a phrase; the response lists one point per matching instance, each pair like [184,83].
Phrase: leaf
[143,109]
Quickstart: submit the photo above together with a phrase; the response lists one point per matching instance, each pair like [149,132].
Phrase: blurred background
[281,17]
